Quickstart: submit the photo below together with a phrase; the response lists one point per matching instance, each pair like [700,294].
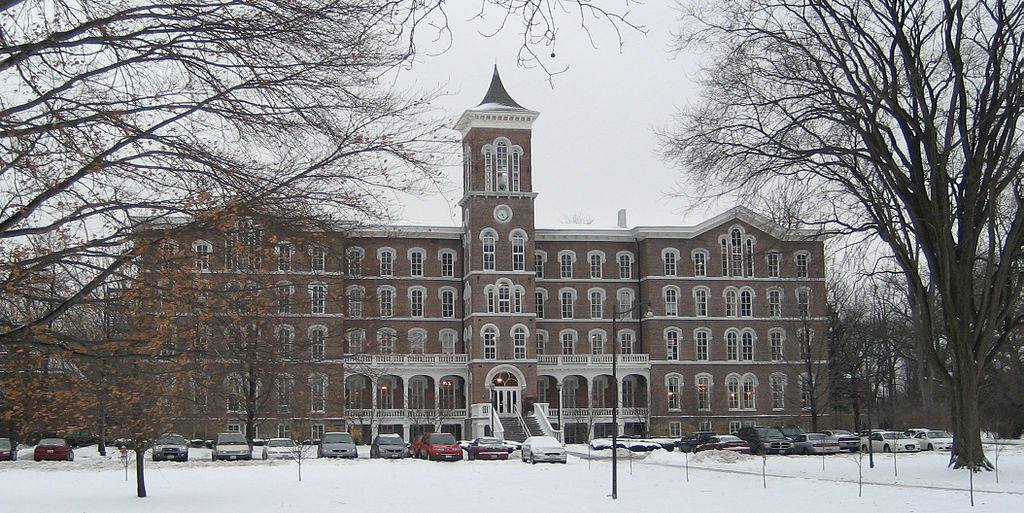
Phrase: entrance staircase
[517,431]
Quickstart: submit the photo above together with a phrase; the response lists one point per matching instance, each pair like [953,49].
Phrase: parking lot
[714,481]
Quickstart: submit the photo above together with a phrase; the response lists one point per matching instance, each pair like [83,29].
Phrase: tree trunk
[140,476]
[967,449]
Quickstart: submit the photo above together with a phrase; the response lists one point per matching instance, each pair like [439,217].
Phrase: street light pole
[615,384]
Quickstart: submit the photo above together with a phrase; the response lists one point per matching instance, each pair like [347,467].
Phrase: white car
[280,449]
[889,441]
[934,440]
[542,448]
[231,446]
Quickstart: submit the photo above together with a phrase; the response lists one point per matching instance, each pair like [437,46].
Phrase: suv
[231,446]
[437,446]
[170,446]
[337,444]
[765,440]
[791,432]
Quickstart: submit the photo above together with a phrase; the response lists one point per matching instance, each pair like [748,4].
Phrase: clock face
[502,213]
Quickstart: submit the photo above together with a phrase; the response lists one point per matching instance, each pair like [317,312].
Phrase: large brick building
[463,328]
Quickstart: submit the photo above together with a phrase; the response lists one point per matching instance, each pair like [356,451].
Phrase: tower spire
[496,93]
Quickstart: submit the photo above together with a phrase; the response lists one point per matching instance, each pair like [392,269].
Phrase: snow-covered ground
[648,482]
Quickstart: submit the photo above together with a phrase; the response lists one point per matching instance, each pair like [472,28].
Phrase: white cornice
[496,116]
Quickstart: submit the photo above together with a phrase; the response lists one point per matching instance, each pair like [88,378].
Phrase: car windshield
[815,436]
[939,434]
[338,438]
[841,432]
[231,439]
[442,439]
[390,440]
[172,440]
[770,433]
[890,436]
[281,443]
[792,430]
[546,441]
[729,438]
[488,441]
[5,443]
[53,441]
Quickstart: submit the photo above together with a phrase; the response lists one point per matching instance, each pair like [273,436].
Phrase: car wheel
[71,456]
[186,458]
[806,452]
[38,459]
[264,455]
[885,448]
[931,447]
[213,457]
[533,461]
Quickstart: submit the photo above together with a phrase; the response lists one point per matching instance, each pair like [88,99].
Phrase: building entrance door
[505,400]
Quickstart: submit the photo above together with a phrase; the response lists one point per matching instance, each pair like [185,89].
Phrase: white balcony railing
[588,413]
[408,359]
[592,359]
[405,413]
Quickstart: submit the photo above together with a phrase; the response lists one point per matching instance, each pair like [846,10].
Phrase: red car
[725,443]
[8,450]
[437,446]
[487,449]
[53,449]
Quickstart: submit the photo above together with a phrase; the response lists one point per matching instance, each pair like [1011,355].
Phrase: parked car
[437,446]
[8,450]
[487,448]
[171,446]
[280,449]
[53,449]
[847,441]
[791,432]
[935,440]
[724,443]
[543,448]
[765,440]
[912,432]
[889,441]
[388,446]
[814,443]
[337,444]
[690,442]
[231,446]
[82,438]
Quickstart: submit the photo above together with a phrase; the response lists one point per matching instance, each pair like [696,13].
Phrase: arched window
[416,258]
[597,339]
[501,164]
[731,346]
[670,258]
[417,340]
[732,386]
[317,393]
[747,346]
[596,259]
[542,341]
[703,382]
[701,339]
[671,301]
[356,340]
[626,339]
[416,296]
[568,298]
[672,390]
[518,251]
[565,260]
[730,303]
[488,241]
[775,344]
[447,258]
[538,264]
[625,266]
[285,336]
[802,258]
[777,383]
[386,257]
[625,297]
[746,303]
[356,295]
[354,256]
[568,342]
[749,398]
[386,296]
[490,338]
[540,296]
[284,297]
[672,344]
[773,259]
[317,338]
[317,297]
[448,302]
[519,342]
[700,301]
[775,303]
[700,263]
[386,340]
[596,303]
[803,302]
[448,341]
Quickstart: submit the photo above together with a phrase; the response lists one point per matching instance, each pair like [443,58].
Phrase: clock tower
[497,212]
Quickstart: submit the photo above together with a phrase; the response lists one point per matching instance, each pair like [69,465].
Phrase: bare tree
[901,118]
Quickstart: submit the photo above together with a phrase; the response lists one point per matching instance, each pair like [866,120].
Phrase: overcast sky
[594,150]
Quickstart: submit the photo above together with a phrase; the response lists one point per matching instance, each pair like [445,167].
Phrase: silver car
[542,448]
[170,446]
[231,446]
[337,444]
[388,446]
[281,449]
[814,443]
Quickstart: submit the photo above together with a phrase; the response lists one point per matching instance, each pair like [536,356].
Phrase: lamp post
[615,387]
[561,430]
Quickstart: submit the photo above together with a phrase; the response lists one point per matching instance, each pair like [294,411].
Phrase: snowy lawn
[648,483]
